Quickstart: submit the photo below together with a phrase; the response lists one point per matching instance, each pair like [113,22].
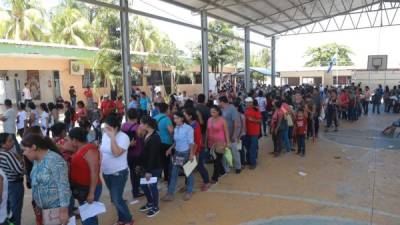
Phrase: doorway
[57,88]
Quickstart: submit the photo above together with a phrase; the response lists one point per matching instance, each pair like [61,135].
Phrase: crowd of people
[70,149]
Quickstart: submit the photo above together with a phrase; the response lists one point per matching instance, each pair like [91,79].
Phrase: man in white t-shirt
[27,93]
[9,119]
[262,105]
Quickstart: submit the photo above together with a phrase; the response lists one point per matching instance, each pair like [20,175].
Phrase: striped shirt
[12,167]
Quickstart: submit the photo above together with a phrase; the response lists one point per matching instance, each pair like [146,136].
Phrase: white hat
[249,99]
[105,96]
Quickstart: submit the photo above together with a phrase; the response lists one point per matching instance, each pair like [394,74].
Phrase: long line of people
[155,140]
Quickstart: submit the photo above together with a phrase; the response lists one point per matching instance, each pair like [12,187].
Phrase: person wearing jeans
[114,165]
[184,152]
[11,163]
[191,118]
[152,165]
[116,184]
[253,123]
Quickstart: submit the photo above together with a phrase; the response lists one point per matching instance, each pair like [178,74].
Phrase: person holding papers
[184,151]
[85,167]
[152,165]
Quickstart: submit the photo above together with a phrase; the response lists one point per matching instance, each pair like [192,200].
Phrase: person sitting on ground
[390,130]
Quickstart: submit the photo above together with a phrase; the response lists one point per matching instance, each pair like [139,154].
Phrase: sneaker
[145,208]
[238,171]
[214,182]
[167,198]
[222,175]
[187,196]
[252,167]
[134,201]
[153,212]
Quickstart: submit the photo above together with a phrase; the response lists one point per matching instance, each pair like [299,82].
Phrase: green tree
[261,59]
[322,55]
[23,20]
[71,27]
[144,37]
[222,50]
[108,58]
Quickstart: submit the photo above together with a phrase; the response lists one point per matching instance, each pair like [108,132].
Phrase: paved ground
[352,178]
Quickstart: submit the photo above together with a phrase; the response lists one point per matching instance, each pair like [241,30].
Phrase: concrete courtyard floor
[351,178]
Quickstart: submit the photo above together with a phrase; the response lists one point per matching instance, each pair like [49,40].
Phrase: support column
[247,59]
[204,53]
[125,50]
[273,68]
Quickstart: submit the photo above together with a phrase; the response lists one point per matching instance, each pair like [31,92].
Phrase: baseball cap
[249,99]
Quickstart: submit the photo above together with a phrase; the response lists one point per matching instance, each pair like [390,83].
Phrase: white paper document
[152,180]
[189,167]
[89,210]
[72,221]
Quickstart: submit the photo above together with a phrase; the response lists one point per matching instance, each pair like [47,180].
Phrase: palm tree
[23,20]
[144,38]
[71,27]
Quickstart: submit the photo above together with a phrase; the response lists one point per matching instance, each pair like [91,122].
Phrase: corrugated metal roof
[272,17]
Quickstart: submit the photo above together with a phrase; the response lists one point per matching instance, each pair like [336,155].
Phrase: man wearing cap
[253,127]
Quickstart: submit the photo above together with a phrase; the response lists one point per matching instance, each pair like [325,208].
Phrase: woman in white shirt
[114,165]
[44,118]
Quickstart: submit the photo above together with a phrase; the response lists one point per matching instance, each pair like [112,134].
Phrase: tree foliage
[322,55]
[23,20]
[261,59]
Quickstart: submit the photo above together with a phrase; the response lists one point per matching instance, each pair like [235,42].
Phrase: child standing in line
[300,132]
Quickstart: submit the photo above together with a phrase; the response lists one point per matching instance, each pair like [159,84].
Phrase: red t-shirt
[198,139]
[80,172]
[278,114]
[301,125]
[344,100]
[120,106]
[88,93]
[252,128]
[107,107]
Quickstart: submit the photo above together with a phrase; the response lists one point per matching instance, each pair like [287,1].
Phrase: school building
[50,69]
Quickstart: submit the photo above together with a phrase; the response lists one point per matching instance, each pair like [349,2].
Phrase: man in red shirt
[344,103]
[107,107]
[253,127]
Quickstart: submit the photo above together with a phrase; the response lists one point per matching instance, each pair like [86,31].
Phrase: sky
[289,49]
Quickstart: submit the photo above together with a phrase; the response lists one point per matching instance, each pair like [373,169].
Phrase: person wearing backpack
[165,129]
[131,128]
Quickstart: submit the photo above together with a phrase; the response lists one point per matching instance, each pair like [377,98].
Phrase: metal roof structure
[273,17]
[269,18]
